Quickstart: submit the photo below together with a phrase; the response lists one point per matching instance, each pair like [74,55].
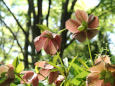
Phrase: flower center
[49,35]
[83,26]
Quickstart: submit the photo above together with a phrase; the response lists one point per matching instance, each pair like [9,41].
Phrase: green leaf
[77,67]
[83,62]
[58,68]
[3,77]
[36,69]
[20,67]
[59,32]
[15,62]
[71,63]
[12,84]
[55,58]
[43,27]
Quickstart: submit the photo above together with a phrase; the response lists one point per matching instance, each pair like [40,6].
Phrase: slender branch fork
[14,17]
[13,35]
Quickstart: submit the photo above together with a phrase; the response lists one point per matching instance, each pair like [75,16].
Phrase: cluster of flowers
[44,72]
[83,27]
[30,77]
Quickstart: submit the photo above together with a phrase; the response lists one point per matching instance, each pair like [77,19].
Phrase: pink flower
[100,72]
[29,77]
[10,76]
[83,26]
[45,72]
[50,42]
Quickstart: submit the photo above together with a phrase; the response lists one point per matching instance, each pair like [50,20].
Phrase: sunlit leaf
[20,67]
[43,27]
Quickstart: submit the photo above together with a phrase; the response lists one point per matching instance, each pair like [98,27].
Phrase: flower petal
[98,68]
[28,75]
[59,80]
[46,34]
[93,22]
[104,58]
[93,80]
[40,64]
[40,77]
[81,16]
[52,77]
[49,47]
[72,26]
[110,67]
[3,68]
[35,81]
[45,72]
[92,33]
[81,36]
[57,39]
[96,83]
[39,42]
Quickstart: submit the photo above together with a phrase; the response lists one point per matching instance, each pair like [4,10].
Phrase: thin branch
[72,7]
[14,17]
[13,35]
[39,6]
[96,7]
[11,47]
[73,4]
[47,17]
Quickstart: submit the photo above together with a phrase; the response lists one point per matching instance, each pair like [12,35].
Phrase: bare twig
[96,7]
[13,35]
[14,17]
[73,4]
[47,17]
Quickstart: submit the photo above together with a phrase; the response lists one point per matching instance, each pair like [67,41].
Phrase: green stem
[90,52]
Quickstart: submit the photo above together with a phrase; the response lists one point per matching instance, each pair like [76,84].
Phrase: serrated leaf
[20,67]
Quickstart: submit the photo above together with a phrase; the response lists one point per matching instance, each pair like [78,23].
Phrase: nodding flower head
[50,42]
[83,26]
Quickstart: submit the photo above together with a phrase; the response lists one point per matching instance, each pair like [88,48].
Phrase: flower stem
[90,52]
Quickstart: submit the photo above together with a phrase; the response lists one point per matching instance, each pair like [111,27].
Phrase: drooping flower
[45,72]
[50,42]
[83,26]
[102,74]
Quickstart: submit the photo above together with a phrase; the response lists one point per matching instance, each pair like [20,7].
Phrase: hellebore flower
[50,42]
[45,71]
[83,27]
[9,74]
[30,77]
[102,74]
